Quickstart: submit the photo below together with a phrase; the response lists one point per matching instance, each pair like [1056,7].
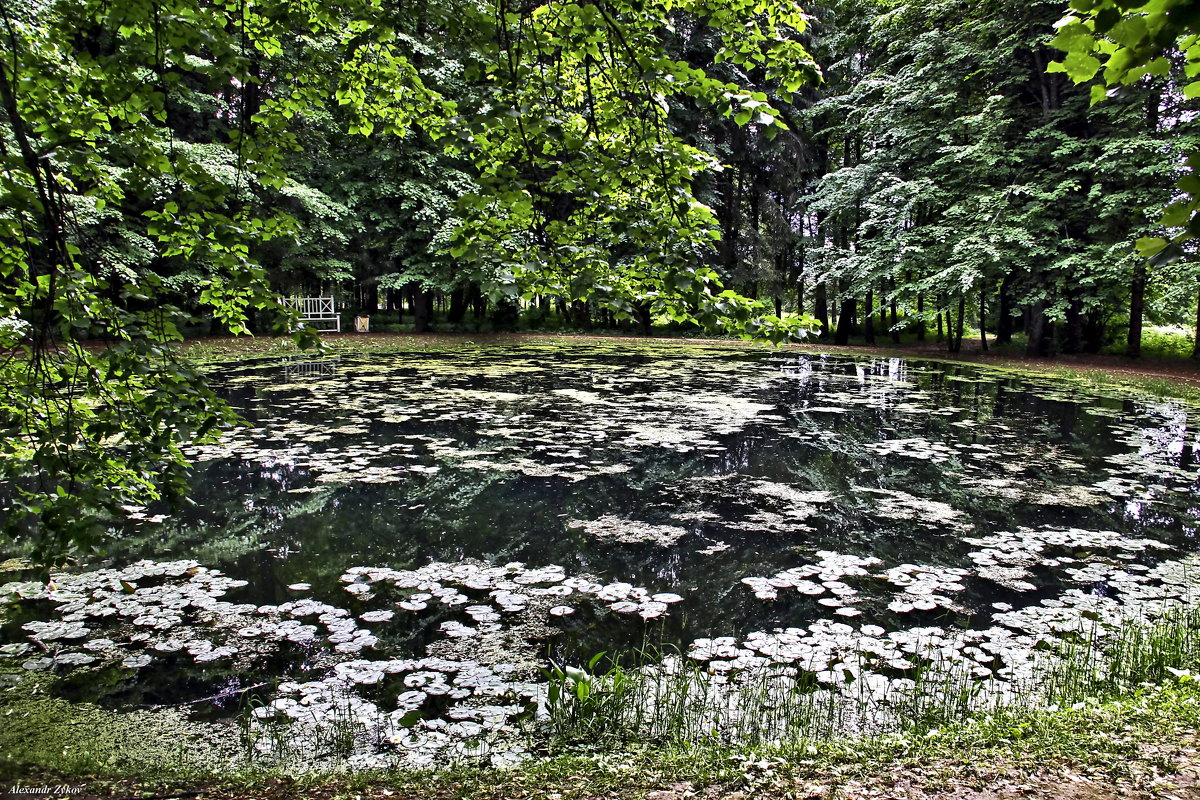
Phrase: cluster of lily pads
[869,504]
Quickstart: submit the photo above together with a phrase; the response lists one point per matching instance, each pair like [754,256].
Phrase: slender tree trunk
[895,315]
[920,316]
[1196,345]
[869,317]
[939,322]
[983,318]
[962,315]
[1137,310]
[800,293]
[822,309]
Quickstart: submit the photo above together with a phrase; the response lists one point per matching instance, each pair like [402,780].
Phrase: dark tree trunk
[458,305]
[800,293]
[1196,343]
[479,301]
[644,318]
[422,300]
[1041,332]
[845,320]
[983,345]
[581,315]
[921,317]
[1137,310]
[869,318]
[505,315]
[822,309]
[1004,318]
[895,315]
[1073,334]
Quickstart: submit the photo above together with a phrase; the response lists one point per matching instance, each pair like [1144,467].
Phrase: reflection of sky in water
[765,493]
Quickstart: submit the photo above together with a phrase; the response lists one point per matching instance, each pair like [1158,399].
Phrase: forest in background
[938,179]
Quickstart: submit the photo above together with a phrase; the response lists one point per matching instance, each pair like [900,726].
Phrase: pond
[403,540]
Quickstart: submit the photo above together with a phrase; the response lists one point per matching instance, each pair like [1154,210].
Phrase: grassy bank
[1127,716]
[1145,744]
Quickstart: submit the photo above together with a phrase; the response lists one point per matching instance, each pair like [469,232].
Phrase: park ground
[1136,748]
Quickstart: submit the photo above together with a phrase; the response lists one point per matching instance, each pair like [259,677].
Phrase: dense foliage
[173,166]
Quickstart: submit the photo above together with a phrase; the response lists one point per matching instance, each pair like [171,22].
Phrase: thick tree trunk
[644,317]
[581,315]
[1137,310]
[1073,334]
[458,305]
[845,320]
[422,300]
[1004,316]
[1041,332]
[822,309]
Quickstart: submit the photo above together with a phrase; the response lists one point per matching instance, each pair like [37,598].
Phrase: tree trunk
[581,315]
[845,319]
[895,315]
[644,317]
[1196,345]
[920,316]
[479,301]
[1073,335]
[1004,318]
[1041,332]
[962,315]
[422,300]
[822,309]
[983,345]
[1137,310]
[869,318]
[458,305]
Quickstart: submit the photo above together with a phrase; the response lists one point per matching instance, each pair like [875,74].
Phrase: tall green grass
[681,703]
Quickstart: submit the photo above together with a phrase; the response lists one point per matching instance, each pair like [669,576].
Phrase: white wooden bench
[317,312]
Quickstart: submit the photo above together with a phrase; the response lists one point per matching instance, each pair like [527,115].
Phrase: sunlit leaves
[1131,40]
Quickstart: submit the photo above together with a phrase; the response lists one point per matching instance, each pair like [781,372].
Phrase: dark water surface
[899,494]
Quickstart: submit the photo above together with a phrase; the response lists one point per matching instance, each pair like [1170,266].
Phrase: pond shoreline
[1144,746]
[1185,372]
[731,435]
